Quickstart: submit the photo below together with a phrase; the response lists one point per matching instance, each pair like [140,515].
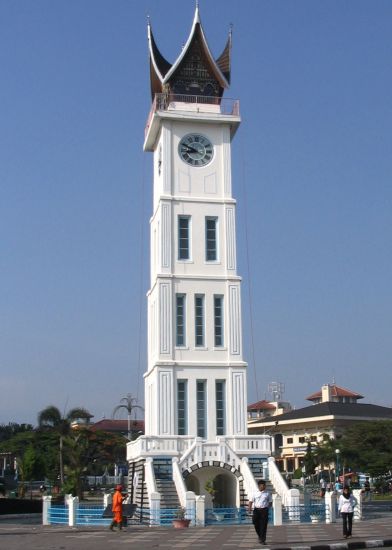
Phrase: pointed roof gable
[216,73]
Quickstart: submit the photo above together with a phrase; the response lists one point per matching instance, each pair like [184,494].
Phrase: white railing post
[330,507]
[73,504]
[107,499]
[46,505]
[200,510]
[155,509]
[277,506]
[358,495]
[190,506]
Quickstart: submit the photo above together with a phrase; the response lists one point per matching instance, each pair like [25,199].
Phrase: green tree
[310,461]
[52,419]
[324,454]
[367,447]
[128,403]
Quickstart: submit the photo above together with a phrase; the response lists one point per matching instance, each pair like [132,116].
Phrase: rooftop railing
[194,103]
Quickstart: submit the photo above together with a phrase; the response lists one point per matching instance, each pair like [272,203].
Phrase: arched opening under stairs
[219,485]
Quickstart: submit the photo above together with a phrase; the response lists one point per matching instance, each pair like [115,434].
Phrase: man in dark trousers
[261,502]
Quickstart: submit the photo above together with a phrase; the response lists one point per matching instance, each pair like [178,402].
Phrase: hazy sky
[312,172]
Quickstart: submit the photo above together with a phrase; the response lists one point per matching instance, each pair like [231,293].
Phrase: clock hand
[191,149]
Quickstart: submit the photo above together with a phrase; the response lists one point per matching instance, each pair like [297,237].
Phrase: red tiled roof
[336,391]
[109,425]
[261,405]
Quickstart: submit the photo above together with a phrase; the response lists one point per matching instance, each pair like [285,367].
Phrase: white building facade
[195,385]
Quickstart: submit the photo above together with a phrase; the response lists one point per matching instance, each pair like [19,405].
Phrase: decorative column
[200,510]
[46,505]
[155,509]
[73,504]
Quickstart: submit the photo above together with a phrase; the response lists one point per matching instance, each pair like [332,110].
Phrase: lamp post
[337,465]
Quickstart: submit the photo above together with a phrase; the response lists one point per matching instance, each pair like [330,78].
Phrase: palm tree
[129,404]
[52,418]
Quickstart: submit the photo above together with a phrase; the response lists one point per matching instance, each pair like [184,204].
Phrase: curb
[376,543]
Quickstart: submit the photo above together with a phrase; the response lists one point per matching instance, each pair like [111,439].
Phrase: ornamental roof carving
[195,71]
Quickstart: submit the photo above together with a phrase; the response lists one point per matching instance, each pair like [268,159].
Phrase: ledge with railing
[193,103]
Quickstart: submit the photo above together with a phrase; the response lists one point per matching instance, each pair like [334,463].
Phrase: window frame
[220,412]
[182,418]
[180,239]
[218,326]
[201,408]
[200,336]
[208,240]
[181,296]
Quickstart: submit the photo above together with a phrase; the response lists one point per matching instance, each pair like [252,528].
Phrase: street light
[337,466]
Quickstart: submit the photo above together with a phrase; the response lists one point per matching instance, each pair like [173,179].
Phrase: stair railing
[289,496]
[250,484]
[150,476]
[179,482]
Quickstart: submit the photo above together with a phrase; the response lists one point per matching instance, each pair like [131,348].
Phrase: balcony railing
[194,103]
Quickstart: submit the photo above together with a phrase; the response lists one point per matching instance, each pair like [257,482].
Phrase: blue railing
[58,514]
[91,515]
[228,516]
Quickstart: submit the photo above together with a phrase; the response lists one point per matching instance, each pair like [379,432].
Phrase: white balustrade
[245,444]
[157,445]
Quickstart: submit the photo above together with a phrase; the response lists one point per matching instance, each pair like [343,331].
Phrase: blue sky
[312,169]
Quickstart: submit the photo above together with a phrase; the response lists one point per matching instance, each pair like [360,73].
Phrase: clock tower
[195,384]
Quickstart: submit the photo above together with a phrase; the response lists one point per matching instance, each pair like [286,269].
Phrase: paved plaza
[368,533]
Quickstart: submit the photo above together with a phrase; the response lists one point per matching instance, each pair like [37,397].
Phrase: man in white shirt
[261,503]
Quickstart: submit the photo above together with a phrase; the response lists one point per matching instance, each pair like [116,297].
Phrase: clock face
[196,150]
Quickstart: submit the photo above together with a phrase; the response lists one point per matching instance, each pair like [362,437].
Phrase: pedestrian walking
[260,502]
[117,508]
[346,509]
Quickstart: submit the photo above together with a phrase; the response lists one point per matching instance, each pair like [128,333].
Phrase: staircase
[136,473]
[256,466]
[164,481]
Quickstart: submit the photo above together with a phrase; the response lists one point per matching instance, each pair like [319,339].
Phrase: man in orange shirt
[117,508]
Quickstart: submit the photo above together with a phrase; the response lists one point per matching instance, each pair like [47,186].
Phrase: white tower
[195,385]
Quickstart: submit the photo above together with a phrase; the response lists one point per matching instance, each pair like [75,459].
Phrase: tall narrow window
[211,239]
[220,407]
[201,408]
[183,237]
[218,321]
[180,319]
[182,390]
[199,320]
